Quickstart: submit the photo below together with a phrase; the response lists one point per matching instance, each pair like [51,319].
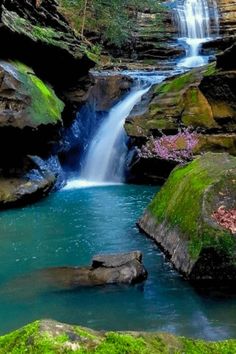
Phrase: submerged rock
[181,218]
[123,268]
[48,336]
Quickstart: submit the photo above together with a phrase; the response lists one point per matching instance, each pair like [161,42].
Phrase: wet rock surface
[29,181]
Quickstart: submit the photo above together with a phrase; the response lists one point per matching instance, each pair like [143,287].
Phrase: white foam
[83,183]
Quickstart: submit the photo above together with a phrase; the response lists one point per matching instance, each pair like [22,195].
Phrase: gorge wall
[227,9]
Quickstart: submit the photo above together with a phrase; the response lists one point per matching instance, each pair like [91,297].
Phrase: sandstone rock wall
[227,10]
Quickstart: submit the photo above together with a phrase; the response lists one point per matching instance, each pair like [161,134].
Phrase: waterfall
[104,162]
[198,21]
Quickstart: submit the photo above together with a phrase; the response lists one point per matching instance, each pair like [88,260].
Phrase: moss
[179,203]
[194,95]
[175,85]
[200,346]
[210,69]
[122,343]
[45,106]
[33,340]
[35,32]
[197,112]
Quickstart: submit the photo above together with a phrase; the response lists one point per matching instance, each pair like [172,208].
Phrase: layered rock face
[227,10]
[156,39]
[181,218]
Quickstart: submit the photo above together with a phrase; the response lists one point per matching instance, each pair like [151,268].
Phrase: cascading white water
[105,158]
[198,21]
[107,151]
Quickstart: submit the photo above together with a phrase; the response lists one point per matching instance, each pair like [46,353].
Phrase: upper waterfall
[198,22]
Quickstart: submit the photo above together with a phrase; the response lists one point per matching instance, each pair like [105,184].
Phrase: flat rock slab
[115,260]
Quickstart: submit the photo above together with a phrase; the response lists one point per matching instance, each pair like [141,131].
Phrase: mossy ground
[45,106]
[180,203]
[33,340]
[177,84]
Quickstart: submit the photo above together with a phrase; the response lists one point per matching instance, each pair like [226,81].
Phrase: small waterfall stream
[198,22]
[104,161]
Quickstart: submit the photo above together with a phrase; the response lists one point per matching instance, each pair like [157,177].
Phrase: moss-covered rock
[180,218]
[47,336]
[26,101]
[177,102]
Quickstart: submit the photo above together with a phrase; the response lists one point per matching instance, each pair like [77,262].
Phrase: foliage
[225,218]
[111,21]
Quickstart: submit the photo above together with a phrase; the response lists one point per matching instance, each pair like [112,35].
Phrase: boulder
[32,179]
[181,218]
[105,269]
[123,268]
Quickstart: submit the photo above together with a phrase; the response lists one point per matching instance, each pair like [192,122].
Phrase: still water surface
[71,226]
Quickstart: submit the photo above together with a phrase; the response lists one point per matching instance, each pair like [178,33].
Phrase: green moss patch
[36,32]
[177,84]
[44,107]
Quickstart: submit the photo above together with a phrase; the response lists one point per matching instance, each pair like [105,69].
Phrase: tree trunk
[84,17]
